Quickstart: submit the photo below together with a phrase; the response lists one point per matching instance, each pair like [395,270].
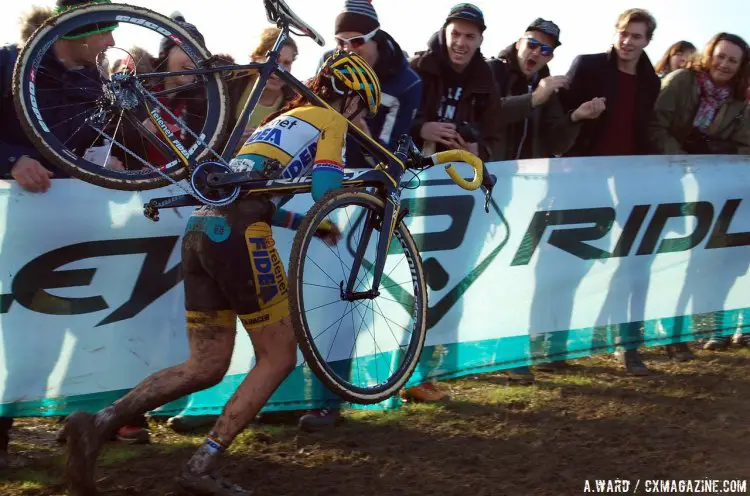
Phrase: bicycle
[212,182]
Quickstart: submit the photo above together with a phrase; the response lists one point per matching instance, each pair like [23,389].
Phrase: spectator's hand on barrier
[589,110]
[440,132]
[328,232]
[31,175]
[547,87]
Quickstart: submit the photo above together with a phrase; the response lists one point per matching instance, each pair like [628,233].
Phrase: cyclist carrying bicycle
[231,269]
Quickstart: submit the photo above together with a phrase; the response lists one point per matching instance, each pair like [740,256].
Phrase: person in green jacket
[700,110]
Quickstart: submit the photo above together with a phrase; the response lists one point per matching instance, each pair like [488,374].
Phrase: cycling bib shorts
[230,262]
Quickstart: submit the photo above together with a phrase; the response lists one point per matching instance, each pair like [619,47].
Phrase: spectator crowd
[452,96]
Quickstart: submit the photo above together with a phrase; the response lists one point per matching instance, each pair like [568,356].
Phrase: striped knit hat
[358,16]
[88,29]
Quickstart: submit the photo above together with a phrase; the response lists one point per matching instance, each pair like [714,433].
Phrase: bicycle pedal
[151,212]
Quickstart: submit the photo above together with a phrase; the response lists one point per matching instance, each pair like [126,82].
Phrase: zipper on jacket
[525,130]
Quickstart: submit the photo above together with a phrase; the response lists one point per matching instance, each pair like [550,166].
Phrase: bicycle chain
[165,176]
[190,192]
[198,139]
[155,169]
[185,128]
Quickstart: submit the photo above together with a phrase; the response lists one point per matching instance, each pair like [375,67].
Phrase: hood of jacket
[391,58]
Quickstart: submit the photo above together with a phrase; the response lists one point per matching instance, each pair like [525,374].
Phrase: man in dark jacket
[71,75]
[358,30]
[460,101]
[626,78]
[533,122]
[19,159]
[623,76]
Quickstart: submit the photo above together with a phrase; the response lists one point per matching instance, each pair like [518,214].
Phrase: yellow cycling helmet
[357,75]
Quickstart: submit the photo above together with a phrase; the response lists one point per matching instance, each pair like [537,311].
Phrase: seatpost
[283,36]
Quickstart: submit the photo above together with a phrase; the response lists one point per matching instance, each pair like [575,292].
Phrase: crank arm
[151,209]
[220,179]
[173,202]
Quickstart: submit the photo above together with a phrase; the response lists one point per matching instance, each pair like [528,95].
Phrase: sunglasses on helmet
[355,41]
[533,44]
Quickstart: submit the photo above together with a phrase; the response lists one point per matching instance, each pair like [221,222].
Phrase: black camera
[468,131]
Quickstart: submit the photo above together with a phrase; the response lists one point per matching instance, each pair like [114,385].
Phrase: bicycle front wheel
[107,113]
[363,349]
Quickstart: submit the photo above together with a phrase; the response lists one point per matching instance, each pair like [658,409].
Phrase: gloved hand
[328,232]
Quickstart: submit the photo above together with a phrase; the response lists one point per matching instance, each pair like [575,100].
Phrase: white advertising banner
[575,255]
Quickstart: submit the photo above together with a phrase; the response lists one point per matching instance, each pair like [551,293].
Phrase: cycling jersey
[300,139]
[229,259]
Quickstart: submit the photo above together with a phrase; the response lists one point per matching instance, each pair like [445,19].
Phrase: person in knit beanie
[167,44]
[74,60]
[89,29]
[358,16]
[357,29]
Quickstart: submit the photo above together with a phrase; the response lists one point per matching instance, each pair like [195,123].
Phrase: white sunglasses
[356,41]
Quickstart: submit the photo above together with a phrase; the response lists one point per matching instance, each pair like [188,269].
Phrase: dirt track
[687,421]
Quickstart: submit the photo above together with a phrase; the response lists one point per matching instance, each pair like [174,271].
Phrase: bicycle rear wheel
[363,350]
[82,119]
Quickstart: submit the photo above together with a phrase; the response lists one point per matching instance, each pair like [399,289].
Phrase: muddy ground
[686,421]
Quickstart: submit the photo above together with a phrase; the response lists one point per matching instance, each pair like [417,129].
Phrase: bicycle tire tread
[306,230]
[89,176]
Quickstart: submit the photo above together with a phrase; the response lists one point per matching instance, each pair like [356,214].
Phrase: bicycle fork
[391,217]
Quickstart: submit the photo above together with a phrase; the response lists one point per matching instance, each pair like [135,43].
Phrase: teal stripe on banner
[439,361]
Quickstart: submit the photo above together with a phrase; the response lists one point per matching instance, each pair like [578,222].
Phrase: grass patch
[174,447]
[516,395]
[577,380]
[26,481]
[21,445]
[117,454]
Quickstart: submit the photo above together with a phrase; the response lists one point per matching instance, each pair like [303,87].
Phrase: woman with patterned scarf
[702,110]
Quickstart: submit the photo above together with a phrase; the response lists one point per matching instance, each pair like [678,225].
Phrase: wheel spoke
[55,102]
[370,329]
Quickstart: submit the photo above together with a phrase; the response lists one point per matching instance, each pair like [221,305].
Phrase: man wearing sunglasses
[357,30]
[532,121]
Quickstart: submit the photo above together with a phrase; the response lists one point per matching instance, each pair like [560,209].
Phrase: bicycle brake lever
[487,186]
[487,199]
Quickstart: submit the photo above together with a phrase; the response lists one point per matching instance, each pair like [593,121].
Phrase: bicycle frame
[386,176]
[266,69]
